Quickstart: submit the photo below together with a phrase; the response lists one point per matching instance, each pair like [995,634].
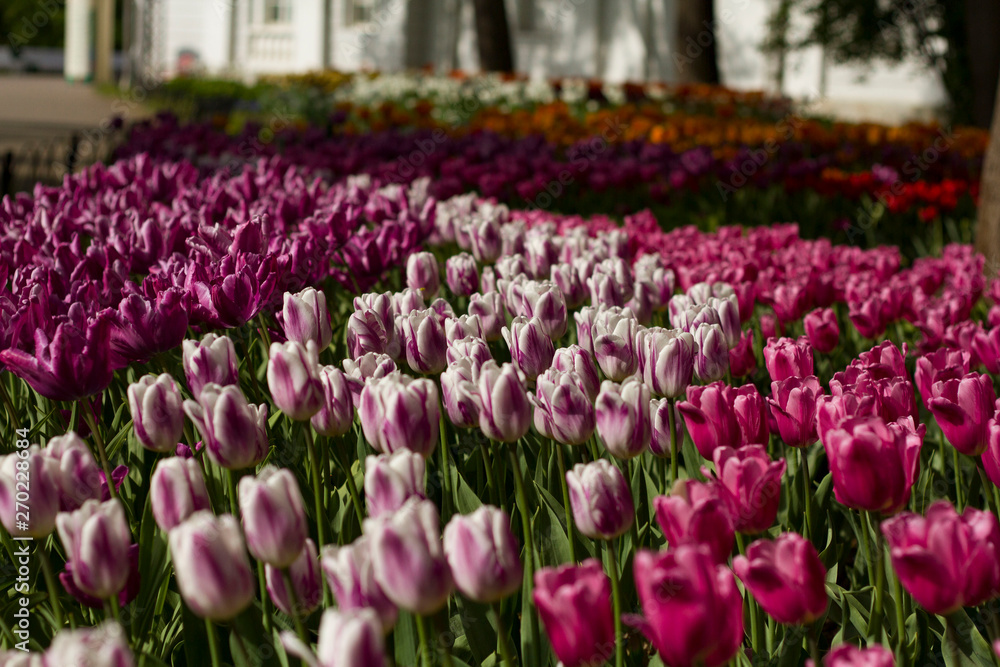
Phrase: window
[277,11]
[358,11]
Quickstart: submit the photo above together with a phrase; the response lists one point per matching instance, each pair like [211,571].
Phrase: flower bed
[360,416]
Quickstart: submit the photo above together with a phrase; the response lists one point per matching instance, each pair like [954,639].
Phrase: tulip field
[297,407]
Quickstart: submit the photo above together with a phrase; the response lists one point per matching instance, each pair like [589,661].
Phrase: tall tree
[493,36]
[988,217]
[695,57]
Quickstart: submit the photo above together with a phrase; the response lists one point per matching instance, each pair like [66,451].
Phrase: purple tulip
[483,555]
[787,358]
[505,413]
[574,603]
[660,443]
[177,491]
[530,348]
[585,327]
[667,360]
[710,418]
[473,348]
[233,430]
[391,480]
[544,301]
[486,243]
[345,639]
[460,393]
[601,500]
[400,412]
[103,646]
[336,415]
[29,472]
[574,359]
[793,408]
[211,566]
[423,274]
[209,361]
[157,413]
[96,538]
[490,310]
[822,330]
[614,341]
[79,476]
[568,281]
[463,326]
[697,513]
[274,519]
[462,274]
[408,557]
[351,577]
[623,417]
[711,359]
[563,411]
[292,378]
[145,327]
[786,578]
[306,579]
[305,318]
[424,341]
[944,364]
[962,408]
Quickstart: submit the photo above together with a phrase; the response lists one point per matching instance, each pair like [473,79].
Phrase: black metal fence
[48,161]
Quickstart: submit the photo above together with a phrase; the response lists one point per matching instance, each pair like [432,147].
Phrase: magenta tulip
[751,484]
[822,330]
[787,358]
[938,366]
[697,513]
[793,408]
[786,578]
[848,655]
[710,418]
[574,603]
[962,409]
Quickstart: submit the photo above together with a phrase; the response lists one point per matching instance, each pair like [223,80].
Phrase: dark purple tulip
[144,328]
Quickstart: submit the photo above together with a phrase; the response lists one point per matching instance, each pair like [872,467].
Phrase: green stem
[902,659]
[673,442]
[50,583]
[876,576]
[317,484]
[89,417]
[755,639]
[488,464]
[446,497]
[213,643]
[446,648]
[806,490]
[425,648]
[951,641]
[263,331]
[293,600]
[522,503]
[616,599]
[352,487]
[265,601]
[959,490]
[503,641]
[9,405]
[234,505]
[113,607]
[987,489]
[565,495]
[814,644]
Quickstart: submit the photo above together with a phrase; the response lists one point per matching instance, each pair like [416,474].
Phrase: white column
[79,41]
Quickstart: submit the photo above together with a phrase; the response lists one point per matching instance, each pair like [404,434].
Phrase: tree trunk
[695,54]
[493,36]
[982,18]
[988,218]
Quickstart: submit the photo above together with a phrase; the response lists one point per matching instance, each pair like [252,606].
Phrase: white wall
[199,25]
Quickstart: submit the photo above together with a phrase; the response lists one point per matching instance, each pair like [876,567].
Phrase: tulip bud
[544,301]
[563,411]
[710,418]
[614,342]
[408,557]
[336,415]
[601,500]
[623,417]
[849,655]
[103,646]
[786,358]
[697,513]
[210,361]
[391,480]
[292,380]
[488,307]
[667,360]
[422,273]
[642,302]
[711,360]
[462,274]
[750,482]
[962,409]
[306,578]
[464,326]
[786,578]
[660,420]
[488,280]
[742,361]
[177,491]
[424,341]
[366,333]
[345,639]
[483,555]
[752,415]
[233,430]
[211,565]
[460,394]
[696,315]
[351,577]
[574,603]
[729,317]
[822,329]
[79,477]
[472,348]
[568,281]
[305,318]
[585,327]
[530,349]
[157,416]
[274,518]
[505,413]
[574,359]
[400,412]
[486,243]
[407,301]
[96,538]
[793,408]
[28,472]
[693,609]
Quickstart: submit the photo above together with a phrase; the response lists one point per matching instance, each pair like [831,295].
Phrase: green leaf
[405,639]
[553,544]
[195,641]
[466,500]
[480,634]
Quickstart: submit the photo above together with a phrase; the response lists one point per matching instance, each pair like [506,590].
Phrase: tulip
[531,349]
[391,480]
[623,417]
[693,609]
[505,413]
[292,378]
[485,239]
[563,411]
[103,646]
[509,267]
[367,333]
[944,364]
[769,327]
[145,327]
[233,430]
[785,358]
[488,280]
[211,565]
[336,415]
[408,557]
[460,394]
[728,310]
[697,513]
[610,284]
[79,477]
[643,302]
[544,301]
[601,500]
[369,366]
[541,251]
[157,415]
[473,348]
[710,418]
[786,578]
[986,345]
[660,419]
[210,361]
[614,343]
[711,359]
[751,483]
[488,307]
[742,361]
[584,319]
[274,518]
[822,330]
[568,281]
[96,538]
[462,274]
[752,414]
[423,274]
[351,577]
[946,561]
[962,409]
[574,359]
[464,326]
[885,360]
[574,604]
[29,472]
[667,360]
[306,579]
[848,655]
[305,318]
[991,456]
[400,412]
[177,491]
[424,341]
[345,639]
[873,466]
[407,301]
[793,408]
[483,555]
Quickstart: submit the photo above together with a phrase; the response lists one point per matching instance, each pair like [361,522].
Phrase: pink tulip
[463,326]
[793,408]
[786,578]
[157,415]
[697,513]
[563,411]
[424,341]
[349,573]
[660,440]
[752,414]
[489,308]
[274,518]
[177,491]
[305,318]
[40,494]
[962,409]
[752,485]
[306,580]
[473,348]
[293,378]
[848,655]
[462,274]
[614,342]
[577,360]
[233,430]
[460,393]
[574,604]
[623,417]
[391,480]
[531,349]
[400,412]
[742,361]
[336,416]
[710,418]
[822,330]
[96,538]
[210,360]
[423,274]
[786,358]
[483,555]
[601,500]
[944,364]
[666,360]
[711,359]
